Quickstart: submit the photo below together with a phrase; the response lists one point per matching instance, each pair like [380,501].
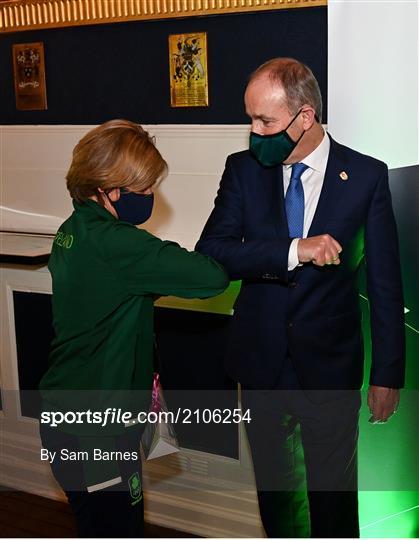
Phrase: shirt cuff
[293,261]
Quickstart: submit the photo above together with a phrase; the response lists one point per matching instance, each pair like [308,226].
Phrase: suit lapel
[329,195]
[276,195]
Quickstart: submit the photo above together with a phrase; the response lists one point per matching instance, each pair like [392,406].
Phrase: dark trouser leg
[329,434]
[278,466]
[114,512]
[334,514]
[283,514]
[107,514]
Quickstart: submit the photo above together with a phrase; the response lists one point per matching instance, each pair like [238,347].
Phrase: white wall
[35,159]
[373,97]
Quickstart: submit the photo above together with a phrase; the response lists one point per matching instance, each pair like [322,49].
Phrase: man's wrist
[293,261]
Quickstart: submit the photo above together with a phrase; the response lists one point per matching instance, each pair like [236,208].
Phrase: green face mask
[271,150]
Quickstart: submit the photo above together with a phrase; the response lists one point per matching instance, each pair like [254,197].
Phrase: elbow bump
[222,282]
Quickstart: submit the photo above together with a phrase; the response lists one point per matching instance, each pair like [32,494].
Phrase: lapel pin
[343,175]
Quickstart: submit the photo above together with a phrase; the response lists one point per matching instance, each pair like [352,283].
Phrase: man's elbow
[219,279]
[200,246]
[211,248]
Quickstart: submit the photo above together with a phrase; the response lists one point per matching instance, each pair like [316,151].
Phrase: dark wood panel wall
[95,73]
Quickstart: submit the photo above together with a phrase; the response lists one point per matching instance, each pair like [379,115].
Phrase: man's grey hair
[297,80]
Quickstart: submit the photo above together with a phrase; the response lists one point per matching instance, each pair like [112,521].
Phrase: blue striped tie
[294,202]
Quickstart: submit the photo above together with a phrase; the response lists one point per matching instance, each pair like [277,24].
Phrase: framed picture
[188,70]
[29,76]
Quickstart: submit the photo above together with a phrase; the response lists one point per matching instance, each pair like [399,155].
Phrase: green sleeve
[147,265]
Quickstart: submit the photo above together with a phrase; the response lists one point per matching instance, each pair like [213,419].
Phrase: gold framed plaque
[29,76]
[188,70]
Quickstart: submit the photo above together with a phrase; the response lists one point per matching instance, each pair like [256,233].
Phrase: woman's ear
[112,194]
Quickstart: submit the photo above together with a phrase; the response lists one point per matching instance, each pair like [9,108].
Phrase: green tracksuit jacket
[105,275]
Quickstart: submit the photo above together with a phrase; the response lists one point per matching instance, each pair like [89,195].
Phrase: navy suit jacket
[312,313]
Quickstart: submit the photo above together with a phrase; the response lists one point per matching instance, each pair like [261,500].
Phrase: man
[294,218]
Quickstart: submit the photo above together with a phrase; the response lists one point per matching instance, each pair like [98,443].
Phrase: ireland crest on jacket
[134,483]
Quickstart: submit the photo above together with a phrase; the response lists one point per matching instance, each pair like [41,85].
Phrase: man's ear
[308,115]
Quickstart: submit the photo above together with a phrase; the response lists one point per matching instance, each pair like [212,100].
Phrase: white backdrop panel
[373,72]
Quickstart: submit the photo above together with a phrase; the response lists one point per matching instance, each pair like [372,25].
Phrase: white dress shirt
[312,180]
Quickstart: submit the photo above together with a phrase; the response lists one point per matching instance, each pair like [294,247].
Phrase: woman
[105,274]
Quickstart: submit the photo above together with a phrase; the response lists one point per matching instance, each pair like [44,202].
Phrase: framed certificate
[188,70]
[29,76]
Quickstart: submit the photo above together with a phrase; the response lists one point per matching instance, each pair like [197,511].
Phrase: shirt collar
[317,160]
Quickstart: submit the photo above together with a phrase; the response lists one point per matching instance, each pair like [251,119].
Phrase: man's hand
[319,250]
[383,402]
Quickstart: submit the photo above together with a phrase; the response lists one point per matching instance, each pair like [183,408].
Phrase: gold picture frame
[29,76]
[188,70]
